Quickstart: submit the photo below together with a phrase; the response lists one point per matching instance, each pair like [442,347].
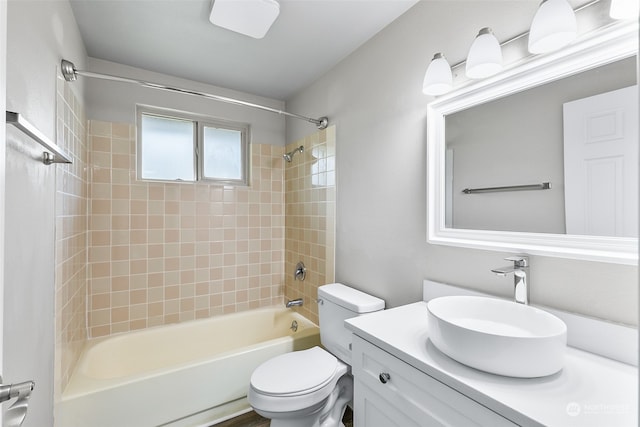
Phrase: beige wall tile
[176,242]
[191,250]
[309,202]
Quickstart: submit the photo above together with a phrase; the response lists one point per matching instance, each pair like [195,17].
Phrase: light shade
[438,78]
[624,9]
[485,56]
[554,26]
[249,17]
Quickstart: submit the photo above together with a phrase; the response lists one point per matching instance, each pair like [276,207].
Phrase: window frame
[199,122]
[244,150]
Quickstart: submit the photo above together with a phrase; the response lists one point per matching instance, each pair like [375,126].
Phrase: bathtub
[182,375]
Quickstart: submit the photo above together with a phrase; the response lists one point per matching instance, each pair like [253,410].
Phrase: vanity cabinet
[390,392]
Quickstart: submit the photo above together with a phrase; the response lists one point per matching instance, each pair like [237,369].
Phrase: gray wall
[115,101]
[39,33]
[374,97]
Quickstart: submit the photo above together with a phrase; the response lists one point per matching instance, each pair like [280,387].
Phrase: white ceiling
[175,37]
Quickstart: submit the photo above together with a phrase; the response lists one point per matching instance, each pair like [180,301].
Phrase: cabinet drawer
[414,393]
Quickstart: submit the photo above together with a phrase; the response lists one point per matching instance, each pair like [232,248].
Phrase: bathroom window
[224,157]
[175,146]
[166,148]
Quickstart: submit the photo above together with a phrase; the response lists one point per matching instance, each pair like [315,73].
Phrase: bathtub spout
[294,303]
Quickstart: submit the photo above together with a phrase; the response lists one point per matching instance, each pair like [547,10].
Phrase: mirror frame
[611,43]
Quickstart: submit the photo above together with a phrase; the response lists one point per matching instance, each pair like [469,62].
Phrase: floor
[251,419]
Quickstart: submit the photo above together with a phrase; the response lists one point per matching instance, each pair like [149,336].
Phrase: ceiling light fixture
[624,9]
[252,18]
[438,78]
[485,55]
[554,26]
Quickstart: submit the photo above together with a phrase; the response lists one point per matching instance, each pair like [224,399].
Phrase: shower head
[289,156]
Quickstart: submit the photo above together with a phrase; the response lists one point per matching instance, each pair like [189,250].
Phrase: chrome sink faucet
[520,271]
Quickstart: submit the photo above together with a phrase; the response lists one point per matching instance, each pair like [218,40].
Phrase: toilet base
[299,419]
[327,413]
[297,422]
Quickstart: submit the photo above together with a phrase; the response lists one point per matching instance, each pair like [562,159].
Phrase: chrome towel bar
[543,186]
[53,154]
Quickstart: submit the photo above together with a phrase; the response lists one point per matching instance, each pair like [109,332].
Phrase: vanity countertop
[589,391]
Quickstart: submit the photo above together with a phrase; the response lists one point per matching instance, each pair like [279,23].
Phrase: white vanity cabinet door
[409,397]
[372,410]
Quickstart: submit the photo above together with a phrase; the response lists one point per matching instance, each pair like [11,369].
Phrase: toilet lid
[295,373]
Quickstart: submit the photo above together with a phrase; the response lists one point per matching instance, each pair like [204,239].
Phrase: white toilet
[311,388]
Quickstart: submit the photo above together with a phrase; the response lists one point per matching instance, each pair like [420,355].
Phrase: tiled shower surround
[161,253]
[310,194]
[71,236]
[133,254]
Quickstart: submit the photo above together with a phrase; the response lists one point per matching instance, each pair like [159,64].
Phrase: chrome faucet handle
[300,272]
[519,260]
[520,271]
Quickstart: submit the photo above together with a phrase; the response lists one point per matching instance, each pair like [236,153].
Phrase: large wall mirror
[543,158]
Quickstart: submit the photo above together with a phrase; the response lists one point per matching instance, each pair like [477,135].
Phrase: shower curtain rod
[70,73]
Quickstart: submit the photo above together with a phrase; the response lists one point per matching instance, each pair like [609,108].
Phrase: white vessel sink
[498,336]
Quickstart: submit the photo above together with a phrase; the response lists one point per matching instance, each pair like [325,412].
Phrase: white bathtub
[187,374]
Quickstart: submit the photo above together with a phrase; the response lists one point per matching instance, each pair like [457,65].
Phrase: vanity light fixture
[485,56]
[624,9]
[554,26]
[252,18]
[438,79]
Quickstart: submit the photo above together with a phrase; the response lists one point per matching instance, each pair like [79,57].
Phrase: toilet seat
[301,380]
[295,373]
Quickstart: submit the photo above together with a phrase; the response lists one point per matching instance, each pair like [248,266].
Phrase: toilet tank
[336,303]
